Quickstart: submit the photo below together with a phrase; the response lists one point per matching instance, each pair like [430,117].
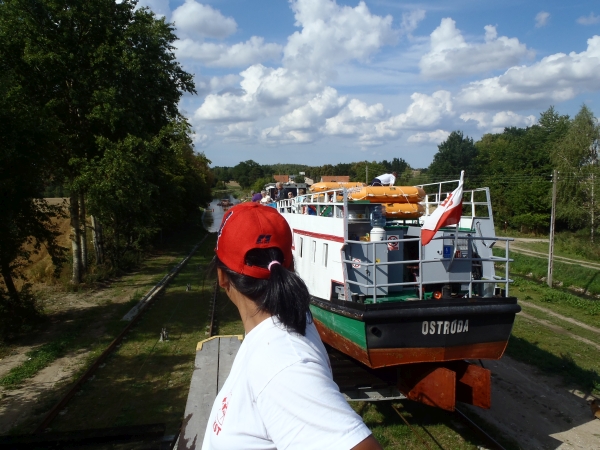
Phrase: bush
[18,315]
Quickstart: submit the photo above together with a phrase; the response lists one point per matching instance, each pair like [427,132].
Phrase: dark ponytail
[283,295]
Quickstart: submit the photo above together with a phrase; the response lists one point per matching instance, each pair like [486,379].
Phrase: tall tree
[26,222]
[576,158]
[456,153]
[101,70]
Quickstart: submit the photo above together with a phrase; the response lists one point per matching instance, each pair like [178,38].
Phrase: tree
[456,153]
[516,166]
[576,158]
[99,70]
[26,222]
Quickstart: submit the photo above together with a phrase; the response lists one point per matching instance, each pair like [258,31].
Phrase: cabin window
[301,246]
[314,251]
[325,249]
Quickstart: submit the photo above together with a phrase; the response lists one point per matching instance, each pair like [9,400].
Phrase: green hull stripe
[351,329]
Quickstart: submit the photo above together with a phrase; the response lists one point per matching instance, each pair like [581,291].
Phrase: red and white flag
[447,213]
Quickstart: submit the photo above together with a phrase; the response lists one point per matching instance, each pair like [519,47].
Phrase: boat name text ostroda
[444,327]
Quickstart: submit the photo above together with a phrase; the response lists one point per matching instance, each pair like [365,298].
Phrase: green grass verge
[585,310]
[147,381]
[556,354]
[570,275]
[38,359]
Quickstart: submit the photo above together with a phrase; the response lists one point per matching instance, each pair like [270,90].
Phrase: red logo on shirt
[218,423]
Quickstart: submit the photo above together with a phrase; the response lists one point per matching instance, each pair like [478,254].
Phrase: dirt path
[515,247]
[34,398]
[560,316]
[537,410]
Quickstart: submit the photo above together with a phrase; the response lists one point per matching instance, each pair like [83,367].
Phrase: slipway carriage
[382,298]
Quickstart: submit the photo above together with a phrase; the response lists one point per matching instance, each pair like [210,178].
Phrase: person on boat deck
[266,198]
[387,179]
[256,197]
[280,393]
[280,194]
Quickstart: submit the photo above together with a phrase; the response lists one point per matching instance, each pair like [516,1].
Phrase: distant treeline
[516,165]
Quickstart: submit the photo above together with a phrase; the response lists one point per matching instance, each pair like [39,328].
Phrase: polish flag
[447,213]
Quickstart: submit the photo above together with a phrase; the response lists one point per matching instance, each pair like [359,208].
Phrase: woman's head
[254,249]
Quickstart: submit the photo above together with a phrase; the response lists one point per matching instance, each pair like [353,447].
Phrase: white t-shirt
[387,178]
[280,395]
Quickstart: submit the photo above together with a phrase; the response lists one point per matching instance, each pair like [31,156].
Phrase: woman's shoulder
[274,349]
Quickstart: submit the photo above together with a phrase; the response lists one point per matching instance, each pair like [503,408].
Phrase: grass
[556,354]
[569,275]
[552,352]
[38,359]
[147,381]
[586,310]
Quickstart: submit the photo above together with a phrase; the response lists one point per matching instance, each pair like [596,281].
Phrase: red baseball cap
[251,225]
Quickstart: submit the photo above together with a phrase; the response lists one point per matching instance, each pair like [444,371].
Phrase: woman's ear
[223,279]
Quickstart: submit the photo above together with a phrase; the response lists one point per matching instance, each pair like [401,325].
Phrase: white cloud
[314,113]
[541,19]
[332,34]
[200,140]
[495,123]
[592,19]
[432,137]
[451,56]
[356,119]
[411,20]
[242,54]
[159,7]
[195,20]
[425,111]
[238,132]
[555,78]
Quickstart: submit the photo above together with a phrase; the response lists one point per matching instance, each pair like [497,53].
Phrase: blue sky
[323,81]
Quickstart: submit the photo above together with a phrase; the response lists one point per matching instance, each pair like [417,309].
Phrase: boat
[387,301]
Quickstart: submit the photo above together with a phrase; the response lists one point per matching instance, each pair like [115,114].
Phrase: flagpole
[460,183]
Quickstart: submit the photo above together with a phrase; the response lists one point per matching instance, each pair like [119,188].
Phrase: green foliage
[18,313]
[260,183]
[37,359]
[575,157]
[590,307]
[456,153]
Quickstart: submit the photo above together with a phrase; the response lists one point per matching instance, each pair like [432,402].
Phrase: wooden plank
[203,390]
[228,348]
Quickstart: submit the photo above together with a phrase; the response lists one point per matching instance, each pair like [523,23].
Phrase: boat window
[314,251]
[301,246]
[325,248]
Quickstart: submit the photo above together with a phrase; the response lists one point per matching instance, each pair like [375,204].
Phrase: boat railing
[319,200]
[476,202]
[419,263]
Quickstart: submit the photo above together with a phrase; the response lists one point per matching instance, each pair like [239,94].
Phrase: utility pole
[367,172]
[552,218]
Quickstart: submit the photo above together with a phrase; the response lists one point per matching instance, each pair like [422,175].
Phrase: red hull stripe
[327,237]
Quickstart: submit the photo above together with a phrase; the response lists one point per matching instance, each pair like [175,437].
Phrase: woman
[279,393]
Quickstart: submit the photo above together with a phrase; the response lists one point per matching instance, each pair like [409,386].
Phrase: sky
[333,81]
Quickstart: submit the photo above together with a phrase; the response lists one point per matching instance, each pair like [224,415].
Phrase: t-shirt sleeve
[302,408]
